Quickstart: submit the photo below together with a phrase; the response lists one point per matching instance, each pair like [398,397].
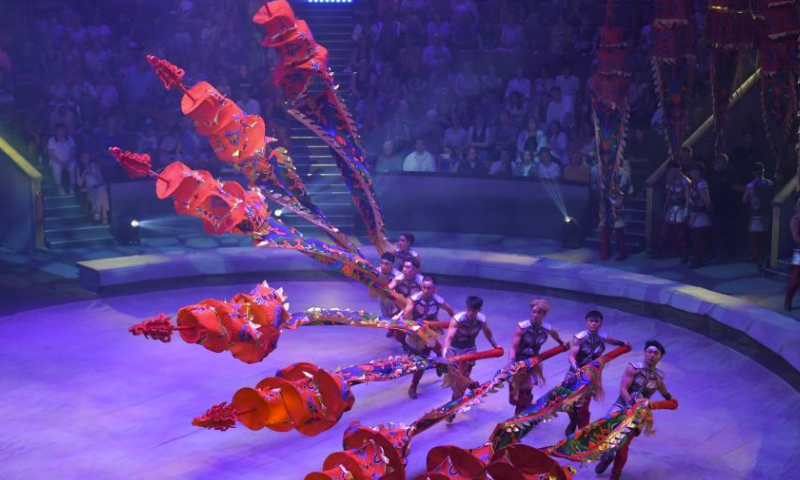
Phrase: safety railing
[22,218]
[782,210]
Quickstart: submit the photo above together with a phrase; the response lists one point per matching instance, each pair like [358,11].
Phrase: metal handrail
[705,127]
[35,178]
[778,201]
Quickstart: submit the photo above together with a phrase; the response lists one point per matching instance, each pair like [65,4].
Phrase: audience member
[420,160]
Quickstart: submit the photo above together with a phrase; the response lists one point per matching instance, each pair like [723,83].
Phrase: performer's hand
[527,351]
[643,401]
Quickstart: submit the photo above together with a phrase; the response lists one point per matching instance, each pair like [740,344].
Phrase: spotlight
[278,212]
[126,231]
[571,233]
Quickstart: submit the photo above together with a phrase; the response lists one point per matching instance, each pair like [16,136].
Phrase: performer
[639,382]
[673,227]
[700,210]
[407,284]
[404,251]
[587,346]
[424,305]
[529,336]
[794,279]
[387,273]
[461,335]
[757,195]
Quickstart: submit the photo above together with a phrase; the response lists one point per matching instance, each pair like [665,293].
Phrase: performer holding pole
[529,336]
[387,273]
[406,284]
[460,339]
[794,279]
[586,346]
[639,382]
[424,305]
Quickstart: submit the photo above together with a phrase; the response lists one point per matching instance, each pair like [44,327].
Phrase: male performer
[673,226]
[387,273]
[406,284]
[529,336]
[757,195]
[404,252]
[639,382]
[794,279]
[700,210]
[424,306]
[587,346]
[460,338]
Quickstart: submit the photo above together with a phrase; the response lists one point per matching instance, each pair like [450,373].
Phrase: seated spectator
[61,153]
[387,34]
[409,60]
[560,108]
[389,161]
[567,82]
[530,139]
[465,34]
[361,80]
[557,141]
[447,161]
[436,56]
[480,136]
[560,36]
[455,136]
[575,170]
[438,26]
[516,107]
[466,83]
[491,83]
[92,181]
[506,132]
[465,10]
[588,143]
[583,41]
[502,167]
[420,160]
[471,164]
[527,167]
[548,169]
[510,33]
[542,84]
[519,84]
[248,104]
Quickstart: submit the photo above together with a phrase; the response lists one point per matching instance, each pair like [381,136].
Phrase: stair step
[70,210]
[77,233]
[72,221]
[91,242]
[61,201]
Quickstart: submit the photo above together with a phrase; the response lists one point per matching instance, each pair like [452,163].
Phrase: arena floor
[82,398]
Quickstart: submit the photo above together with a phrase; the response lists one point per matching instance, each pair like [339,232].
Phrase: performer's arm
[746,194]
[451,332]
[615,342]
[625,384]
[515,343]
[447,308]
[392,285]
[575,347]
[707,200]
[794,226]
[687,192]
[662,388]
[409,310]
[555,336]
[487,333]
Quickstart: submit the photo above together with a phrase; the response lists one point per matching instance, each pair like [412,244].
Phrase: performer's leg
[682,237]
[620,459]
[605,244]
[525,394]
[573,420]
[583,414]
[415,378]
[619,240]
[791,288]
[663,238]
[400,336]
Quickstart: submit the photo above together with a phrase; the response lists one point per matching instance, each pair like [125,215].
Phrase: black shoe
[603,464]
[389,334]
[570,429]
[412,391]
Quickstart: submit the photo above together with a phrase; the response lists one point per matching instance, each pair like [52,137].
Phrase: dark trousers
[794,282]
[620,458]
[757,246]
[619,243]
[700,241]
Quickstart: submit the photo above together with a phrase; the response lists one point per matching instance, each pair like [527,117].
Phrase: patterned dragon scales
[311,400]
[381,452]
[495,457]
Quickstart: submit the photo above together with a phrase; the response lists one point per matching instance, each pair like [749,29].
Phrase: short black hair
[413,261]
[474,302]
[594,314]
[699,166]
[409,236]
[429,278]
[673,164]
[657,344]
[758,167]
[388,256]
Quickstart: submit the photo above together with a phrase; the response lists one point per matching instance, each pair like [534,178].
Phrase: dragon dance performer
[387,273]
[673,226]
[639,382]
[404,251]
[529,336]
[794,279]
[406,284]
[424,306]
[460,338]
[587,346]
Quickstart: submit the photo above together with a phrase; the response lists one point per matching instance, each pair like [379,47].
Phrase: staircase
[331,25]
[635,214]
[67,224]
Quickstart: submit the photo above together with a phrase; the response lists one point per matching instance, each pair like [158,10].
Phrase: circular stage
[82,398]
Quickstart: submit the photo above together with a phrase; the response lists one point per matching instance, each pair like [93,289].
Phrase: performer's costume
[520,390]
[699,221]
[424,309]
[591,348]
[406,288]
[794,279]
[464,342]
[388,307]
[673,228]
[645,384]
